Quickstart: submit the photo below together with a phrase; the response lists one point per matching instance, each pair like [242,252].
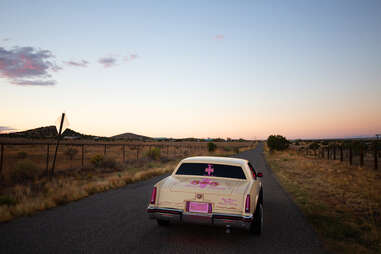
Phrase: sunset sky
[303,69]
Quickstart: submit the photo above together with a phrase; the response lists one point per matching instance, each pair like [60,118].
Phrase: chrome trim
[151,209]
[218,219]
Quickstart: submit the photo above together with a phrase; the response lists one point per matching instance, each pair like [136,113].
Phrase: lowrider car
[210,190]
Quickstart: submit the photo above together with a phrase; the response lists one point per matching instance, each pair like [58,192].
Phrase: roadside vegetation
[342,202]
[27,189]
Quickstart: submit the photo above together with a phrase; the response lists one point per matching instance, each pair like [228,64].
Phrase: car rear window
[208,169]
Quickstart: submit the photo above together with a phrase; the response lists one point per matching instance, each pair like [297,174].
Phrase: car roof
[216,160]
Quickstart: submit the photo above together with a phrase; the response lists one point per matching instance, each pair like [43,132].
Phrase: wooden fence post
[350,156]
[83,156]
[167,149]
[124,153]
[328,157]
[361,157]
[1,159]
[375,156]
[47,160]
[341,153]
[104,151]
[334,152]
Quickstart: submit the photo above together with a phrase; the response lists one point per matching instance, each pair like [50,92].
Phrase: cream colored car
[210,190]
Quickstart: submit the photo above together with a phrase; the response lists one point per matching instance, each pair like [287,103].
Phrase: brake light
[247,204]
[153,196]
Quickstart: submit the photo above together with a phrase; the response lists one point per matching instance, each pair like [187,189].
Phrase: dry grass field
[342,202]
[25,196]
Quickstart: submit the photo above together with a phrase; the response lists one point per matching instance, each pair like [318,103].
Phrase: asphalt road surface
[116,222]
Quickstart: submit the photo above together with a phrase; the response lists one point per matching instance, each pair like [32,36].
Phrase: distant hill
[47,132]
[132,136]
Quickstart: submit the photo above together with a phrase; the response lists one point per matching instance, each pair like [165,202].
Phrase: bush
[24,170]
[314,146]
[109,162]
[71,153]
[212,147]
[227,148]
[236,149]
[277,142]
[6,200]
[154,153]
[100,161]
[22,155]
[97,160]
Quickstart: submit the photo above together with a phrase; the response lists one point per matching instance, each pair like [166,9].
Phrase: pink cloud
[82,63]
[27,63]
[107,61]
[219,37]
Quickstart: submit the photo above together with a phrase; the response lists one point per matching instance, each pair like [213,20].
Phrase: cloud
[6,129]
[6,39]
[81,63]
[107,61]
[219,37]
[131,57]
[24,82]
[27,66]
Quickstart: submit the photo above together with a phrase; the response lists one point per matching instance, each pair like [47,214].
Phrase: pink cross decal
[209,169]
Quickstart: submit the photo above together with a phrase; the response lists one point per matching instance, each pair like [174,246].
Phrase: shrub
[24,170]
[227,148]
[22,155]
[71,153]
[236,149]
[314,146]
[109,162]
[97,160]
[277,142]
[100,161]
[6,200]
[212,147]
[154,153]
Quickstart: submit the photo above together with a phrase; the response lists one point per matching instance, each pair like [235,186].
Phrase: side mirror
[259,174]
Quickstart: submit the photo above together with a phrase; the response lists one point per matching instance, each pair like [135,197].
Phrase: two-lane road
[116,222]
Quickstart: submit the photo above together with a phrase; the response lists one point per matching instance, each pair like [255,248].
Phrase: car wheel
[257,224]
[162,222]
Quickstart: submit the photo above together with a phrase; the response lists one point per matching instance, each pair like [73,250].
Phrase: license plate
[198,207]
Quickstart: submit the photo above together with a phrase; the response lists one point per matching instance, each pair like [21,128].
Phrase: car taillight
[153,196]
[247,204]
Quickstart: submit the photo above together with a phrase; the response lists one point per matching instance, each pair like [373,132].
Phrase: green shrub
[154,153]
[314,146]
[22,155]
[71,153]
[6,200]
[109,162]
[100,161]
[277,142]
[236,149]
[97,160]
[24,170]
[227,148]
[212,147]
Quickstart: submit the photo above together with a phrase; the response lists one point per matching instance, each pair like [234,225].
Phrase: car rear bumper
[218,219]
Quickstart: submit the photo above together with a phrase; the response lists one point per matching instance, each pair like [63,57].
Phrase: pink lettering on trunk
[204,183]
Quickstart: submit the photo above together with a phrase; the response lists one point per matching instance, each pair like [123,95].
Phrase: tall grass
[342,202]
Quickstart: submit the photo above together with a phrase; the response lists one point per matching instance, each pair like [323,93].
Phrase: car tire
[162,222]
[257,225]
